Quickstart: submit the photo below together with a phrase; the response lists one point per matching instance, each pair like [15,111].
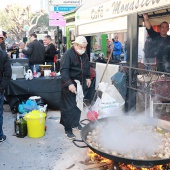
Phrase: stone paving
[51,152]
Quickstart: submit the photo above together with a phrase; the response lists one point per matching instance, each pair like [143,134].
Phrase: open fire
[97,161]
[130,143]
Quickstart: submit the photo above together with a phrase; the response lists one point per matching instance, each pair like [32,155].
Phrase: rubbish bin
[35,123]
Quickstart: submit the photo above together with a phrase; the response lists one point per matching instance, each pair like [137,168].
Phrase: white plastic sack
[96,105]
[112,91]
[79,95]
[111,101]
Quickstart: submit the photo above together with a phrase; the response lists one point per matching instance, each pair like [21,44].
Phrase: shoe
[70,135]
[79,127]
[2,139]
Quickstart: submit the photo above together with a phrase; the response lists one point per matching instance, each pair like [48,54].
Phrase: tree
[17,20]
[43,24]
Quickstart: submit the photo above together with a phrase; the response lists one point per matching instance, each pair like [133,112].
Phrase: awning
[108,25]
[91,16]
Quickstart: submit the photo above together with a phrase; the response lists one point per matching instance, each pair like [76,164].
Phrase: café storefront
[122,16]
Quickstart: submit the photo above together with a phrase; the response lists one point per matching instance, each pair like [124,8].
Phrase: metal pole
[58,44]
[132,59]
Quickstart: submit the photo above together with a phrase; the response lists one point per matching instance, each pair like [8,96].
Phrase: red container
[92,115]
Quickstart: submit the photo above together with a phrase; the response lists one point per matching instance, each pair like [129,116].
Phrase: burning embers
[97,161]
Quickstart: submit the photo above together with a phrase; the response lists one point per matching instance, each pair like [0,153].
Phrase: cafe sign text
[116,8]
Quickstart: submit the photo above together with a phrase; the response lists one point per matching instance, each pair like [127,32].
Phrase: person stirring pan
[75,65]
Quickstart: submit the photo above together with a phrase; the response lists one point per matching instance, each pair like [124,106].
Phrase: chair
[161,90]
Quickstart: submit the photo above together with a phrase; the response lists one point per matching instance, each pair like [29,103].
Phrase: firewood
[86,163]
[96,165]
[87,159]
[70,166]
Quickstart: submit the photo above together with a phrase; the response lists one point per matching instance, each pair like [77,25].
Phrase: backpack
[119,81]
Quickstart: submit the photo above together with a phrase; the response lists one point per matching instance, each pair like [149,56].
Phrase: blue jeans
[116,57]
[1,113]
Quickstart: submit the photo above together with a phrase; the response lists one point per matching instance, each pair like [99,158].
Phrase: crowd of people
[38,52]
[75,66]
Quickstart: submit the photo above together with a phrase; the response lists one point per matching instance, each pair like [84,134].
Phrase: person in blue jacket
[117,49]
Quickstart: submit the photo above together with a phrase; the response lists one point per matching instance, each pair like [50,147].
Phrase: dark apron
[70,113]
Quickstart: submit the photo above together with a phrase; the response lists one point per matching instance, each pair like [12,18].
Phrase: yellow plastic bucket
[35,123]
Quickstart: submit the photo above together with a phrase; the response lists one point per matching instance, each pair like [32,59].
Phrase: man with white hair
[74,66]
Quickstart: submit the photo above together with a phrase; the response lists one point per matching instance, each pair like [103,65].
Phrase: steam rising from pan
[129,136]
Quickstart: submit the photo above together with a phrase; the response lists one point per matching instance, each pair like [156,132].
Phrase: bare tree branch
[17,22]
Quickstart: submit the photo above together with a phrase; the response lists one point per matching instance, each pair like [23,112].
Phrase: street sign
[64,2]
[55,15]
[63,8]
[57,23]
[26,27]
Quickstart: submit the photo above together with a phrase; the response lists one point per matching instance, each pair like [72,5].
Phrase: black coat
[3,46]
[160,50]
[74,67]
[50,53]
[5,70]
[35,52]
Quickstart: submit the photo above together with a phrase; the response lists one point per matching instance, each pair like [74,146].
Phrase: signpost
[61,8]
[64,2]
[56,19]
[55,15]
[64,8]
[61,23]
[56,8]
